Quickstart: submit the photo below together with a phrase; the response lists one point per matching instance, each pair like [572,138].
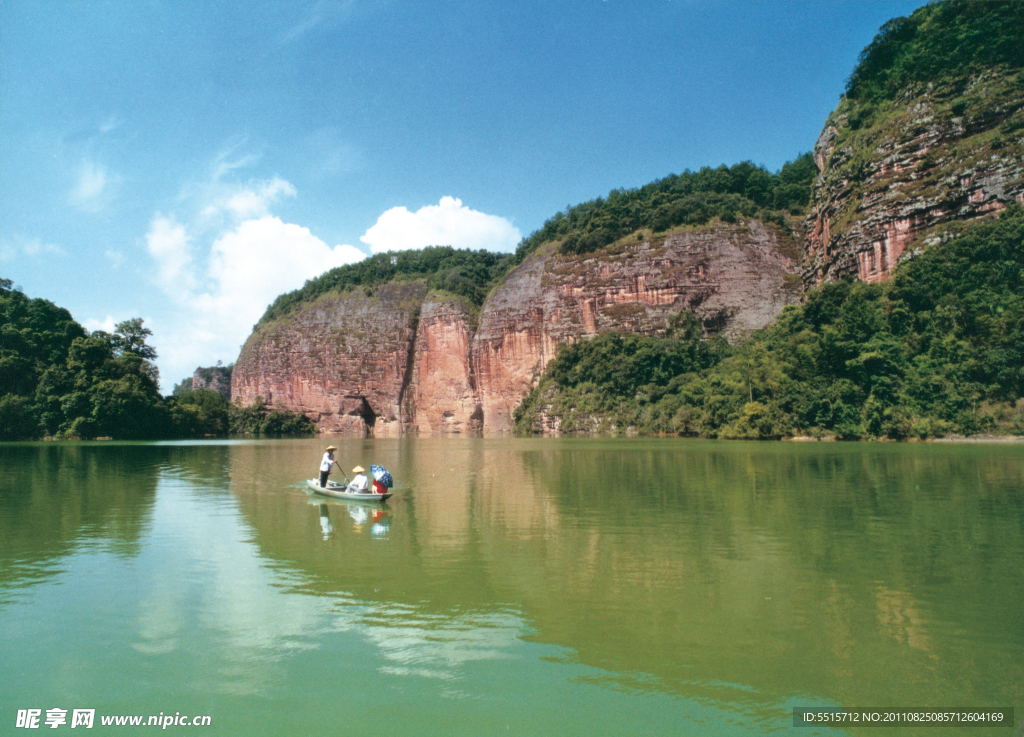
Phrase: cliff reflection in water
[870,574]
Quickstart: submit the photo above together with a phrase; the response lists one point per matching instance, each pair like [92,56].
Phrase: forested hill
[690,198]
[939,44]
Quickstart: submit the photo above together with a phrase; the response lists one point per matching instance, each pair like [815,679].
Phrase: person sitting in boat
[360,483]
[326,465]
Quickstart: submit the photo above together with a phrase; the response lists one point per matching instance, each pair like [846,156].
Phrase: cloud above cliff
[223,254]
[223,264]
[254,263]
[448,223]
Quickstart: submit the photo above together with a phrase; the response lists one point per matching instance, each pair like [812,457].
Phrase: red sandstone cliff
[442,396]
[404,359]
[893,170]
[734,278]
[343,360]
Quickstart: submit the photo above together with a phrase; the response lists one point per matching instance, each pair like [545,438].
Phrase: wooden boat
[340,491]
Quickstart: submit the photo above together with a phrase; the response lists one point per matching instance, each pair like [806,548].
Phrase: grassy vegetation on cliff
[938,349]
[939,43]
[690,198]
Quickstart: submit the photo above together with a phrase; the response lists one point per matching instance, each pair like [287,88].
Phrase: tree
[129,340]
[130,337]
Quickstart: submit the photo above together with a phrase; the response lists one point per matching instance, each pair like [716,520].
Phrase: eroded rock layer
[734,278]
[891,171]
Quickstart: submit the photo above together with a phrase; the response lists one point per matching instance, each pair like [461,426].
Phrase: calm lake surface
[520,586]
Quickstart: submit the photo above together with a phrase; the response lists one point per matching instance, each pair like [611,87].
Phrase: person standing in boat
[326,464]
[360,483]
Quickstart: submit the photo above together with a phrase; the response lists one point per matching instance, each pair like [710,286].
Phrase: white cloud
[223,291]
[106,325]
[259,260]
[170,246]
[92,190]
[249,202]
[448,223]
[116,258]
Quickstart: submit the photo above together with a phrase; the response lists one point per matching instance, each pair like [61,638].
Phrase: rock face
[214,378]
[442,398]
[408,360]
[891,171]
[344,360]
[734,278]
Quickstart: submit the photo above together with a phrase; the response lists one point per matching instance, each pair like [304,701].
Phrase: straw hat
[330,448]
[358,469]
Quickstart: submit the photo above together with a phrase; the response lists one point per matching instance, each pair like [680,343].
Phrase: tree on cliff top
[939,42]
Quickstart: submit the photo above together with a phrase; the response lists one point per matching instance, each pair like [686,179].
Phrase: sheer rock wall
[890,173]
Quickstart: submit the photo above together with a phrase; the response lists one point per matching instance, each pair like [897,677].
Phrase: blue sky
[186,162]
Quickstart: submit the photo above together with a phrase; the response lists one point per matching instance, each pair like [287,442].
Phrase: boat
[341,491]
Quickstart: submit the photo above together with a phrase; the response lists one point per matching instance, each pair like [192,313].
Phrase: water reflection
[56,497]
[745,577]
[371,516]
[785,569]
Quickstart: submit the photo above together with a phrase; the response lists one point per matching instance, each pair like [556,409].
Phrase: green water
[566,587]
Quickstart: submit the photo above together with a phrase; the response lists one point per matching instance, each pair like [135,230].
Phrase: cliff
[412,359]
[931,130]
[928,161]
[213,378]
[734,278]
[343,360]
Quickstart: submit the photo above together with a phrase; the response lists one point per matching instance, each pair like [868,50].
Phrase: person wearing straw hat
[326,464]
[360,483]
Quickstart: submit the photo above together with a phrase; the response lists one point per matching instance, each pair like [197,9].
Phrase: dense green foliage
[937,43]
[199,413]
[59,380]
[259,419]
[938,349]
[599,384]
[469,274]
[690,198]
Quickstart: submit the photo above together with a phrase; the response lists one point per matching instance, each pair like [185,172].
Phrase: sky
[188,161]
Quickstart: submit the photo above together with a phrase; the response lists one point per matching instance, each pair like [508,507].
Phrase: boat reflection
[363,516]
